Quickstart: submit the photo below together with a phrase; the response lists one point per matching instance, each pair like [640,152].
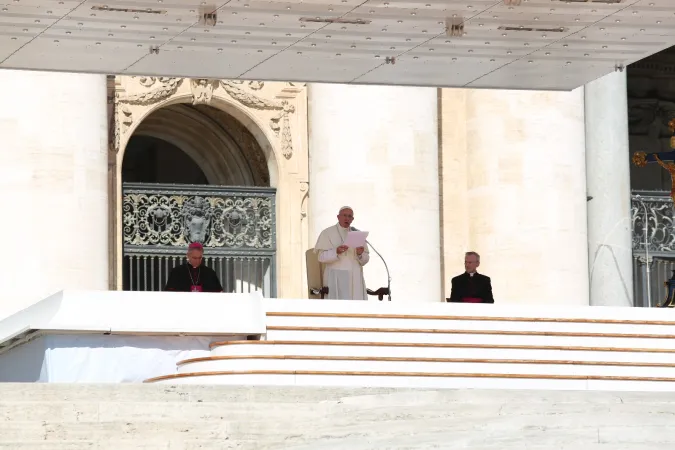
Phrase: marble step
[406,365]
[473,337]
[450,322]
[378,349]
[435,380]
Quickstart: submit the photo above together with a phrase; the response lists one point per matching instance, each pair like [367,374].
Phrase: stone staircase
[359,344]
[371,376]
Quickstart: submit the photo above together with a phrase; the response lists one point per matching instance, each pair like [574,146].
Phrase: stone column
[526,189]
[608,181]
[375,148]
[53,185]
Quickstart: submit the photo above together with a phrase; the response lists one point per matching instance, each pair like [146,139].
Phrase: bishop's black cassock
[185,278]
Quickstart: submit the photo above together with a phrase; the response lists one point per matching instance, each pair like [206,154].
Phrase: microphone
[379,291]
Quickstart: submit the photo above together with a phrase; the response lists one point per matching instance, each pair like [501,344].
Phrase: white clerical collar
[471,274]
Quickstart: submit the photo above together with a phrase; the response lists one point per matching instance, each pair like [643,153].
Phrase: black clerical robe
[471,289]
[185,278]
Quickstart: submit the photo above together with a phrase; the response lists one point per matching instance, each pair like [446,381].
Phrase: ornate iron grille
[655,208]
[659,217]
[235,225]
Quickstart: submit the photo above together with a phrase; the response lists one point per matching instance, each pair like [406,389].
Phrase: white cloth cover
[342,274]
[95,358]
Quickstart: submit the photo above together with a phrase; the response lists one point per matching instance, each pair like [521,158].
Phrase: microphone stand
[385,266]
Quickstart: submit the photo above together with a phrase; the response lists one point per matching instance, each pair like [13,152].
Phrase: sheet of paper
[356,239]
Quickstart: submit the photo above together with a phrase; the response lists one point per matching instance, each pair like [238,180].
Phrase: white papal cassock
[342,274]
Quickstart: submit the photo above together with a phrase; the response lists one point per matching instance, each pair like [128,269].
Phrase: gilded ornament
[640,159]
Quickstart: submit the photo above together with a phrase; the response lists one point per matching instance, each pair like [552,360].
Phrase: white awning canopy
[518,44]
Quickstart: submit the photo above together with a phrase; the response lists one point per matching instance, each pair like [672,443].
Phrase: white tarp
[91,358]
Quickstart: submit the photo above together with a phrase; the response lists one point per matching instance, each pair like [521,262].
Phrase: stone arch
[253,124]
[224,165]
[274,113]
[206,137]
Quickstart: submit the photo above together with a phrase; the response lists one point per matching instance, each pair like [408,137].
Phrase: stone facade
[495,187]
[274,114]
[432,174]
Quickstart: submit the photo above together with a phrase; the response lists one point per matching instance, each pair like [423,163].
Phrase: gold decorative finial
[640,159]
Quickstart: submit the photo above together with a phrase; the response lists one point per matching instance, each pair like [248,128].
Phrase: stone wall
[74,417]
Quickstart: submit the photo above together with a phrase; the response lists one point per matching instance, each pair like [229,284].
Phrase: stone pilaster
[526,194]
[376,149]
[53,185]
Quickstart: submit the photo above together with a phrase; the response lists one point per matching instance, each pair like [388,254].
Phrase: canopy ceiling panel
[516,44]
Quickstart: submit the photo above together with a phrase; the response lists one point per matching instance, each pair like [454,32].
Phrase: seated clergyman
[194,275]
[471,287]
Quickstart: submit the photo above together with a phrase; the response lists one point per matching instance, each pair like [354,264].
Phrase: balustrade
[235,225]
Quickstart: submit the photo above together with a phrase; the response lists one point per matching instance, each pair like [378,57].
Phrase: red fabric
[472,300]
[197,288]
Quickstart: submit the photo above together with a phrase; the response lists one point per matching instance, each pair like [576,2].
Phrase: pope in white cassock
[343,266]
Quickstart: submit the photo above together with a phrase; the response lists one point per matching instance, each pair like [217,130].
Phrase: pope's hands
[359,250]
[341,249]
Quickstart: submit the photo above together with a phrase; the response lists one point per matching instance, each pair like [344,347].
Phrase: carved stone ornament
[279,123]
[156,89]
[152,90]
[202,90]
